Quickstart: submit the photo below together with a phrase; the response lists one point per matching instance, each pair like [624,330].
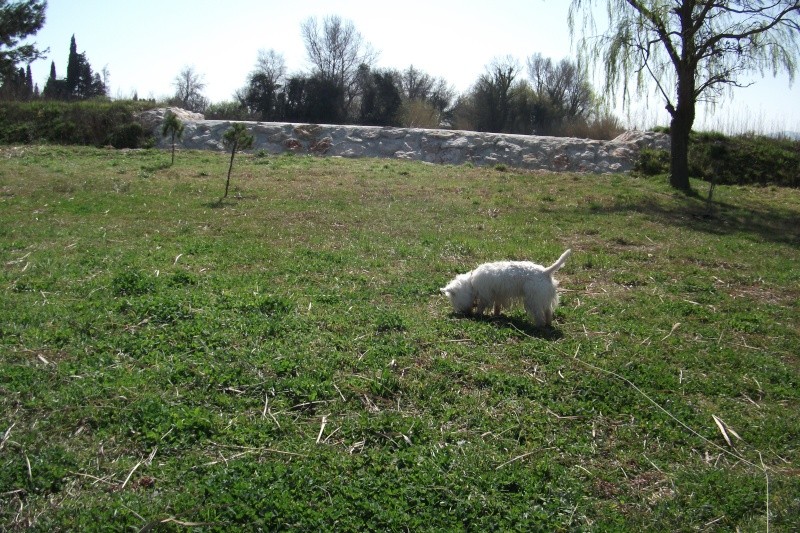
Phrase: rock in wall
[455,147]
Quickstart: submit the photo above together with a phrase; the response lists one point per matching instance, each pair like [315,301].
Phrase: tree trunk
[680,127]
[681,124]
[230,167]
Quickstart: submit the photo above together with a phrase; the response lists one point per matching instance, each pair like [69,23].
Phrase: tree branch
[660,30]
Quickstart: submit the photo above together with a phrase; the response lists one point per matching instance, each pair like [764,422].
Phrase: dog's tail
[552,269]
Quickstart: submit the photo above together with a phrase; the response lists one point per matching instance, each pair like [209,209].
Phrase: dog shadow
[522,326]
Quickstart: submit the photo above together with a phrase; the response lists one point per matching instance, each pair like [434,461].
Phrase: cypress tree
[29,81]
[73,67]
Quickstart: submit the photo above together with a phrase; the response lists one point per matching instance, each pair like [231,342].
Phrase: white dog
[500,284]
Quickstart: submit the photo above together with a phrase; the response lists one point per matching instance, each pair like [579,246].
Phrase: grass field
[283,359]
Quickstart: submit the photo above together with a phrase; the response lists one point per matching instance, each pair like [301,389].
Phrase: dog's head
[460,293]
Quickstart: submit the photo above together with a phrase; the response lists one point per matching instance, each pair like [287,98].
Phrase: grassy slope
[283,359]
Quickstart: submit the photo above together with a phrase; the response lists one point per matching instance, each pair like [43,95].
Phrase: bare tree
[263,90]
[418,85]
[189,87]
[336,51]
[564,84]
[272,65]
[693,50]
[489,104]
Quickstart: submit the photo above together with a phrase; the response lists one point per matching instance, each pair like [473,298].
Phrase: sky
[144,44]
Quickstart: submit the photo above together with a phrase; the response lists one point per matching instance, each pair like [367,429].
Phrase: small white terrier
[500,284]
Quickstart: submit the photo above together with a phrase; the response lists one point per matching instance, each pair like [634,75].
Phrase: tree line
[79,83]
[344,86]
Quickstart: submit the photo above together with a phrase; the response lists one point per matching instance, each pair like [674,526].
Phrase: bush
[419,114]
[227,111]
[652,162]
[745,159]
[739,160]
[127,136]
[92,122]
[603,127]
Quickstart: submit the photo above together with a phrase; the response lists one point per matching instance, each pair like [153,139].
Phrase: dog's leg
[539,316]
[496,309]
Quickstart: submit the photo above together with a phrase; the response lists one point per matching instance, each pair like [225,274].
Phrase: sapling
[236,138]
[172,126]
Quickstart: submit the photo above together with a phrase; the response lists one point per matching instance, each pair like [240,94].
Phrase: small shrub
[604,127]
[652,162]
[128,135]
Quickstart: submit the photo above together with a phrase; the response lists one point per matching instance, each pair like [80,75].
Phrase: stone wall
[530,152]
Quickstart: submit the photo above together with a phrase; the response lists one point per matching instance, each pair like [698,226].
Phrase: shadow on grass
[230,200]
[523,327]
[777,225]
[217,204]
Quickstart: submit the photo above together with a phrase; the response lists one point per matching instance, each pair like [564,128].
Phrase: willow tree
[694,51]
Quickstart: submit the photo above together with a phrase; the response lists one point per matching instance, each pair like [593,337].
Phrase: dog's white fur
[502,283]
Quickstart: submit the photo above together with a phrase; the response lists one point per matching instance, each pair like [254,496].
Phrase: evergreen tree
[29,81]
[19,81]
[73,67]
[54,89]
[13,87]
[380,98]
[80,83]
[19,20]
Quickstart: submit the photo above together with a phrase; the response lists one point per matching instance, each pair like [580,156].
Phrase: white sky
[145,43]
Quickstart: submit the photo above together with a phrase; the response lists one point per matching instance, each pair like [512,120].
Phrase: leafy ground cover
[733,159]
[283,359]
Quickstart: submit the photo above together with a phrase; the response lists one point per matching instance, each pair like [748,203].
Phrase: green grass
[283,359]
